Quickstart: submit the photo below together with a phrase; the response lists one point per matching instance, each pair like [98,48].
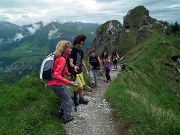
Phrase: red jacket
[59,69]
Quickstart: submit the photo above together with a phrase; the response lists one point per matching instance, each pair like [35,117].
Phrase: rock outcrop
[108,36]
[137,27]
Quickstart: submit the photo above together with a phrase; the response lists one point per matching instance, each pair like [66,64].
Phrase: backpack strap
[63,56]
[65,64]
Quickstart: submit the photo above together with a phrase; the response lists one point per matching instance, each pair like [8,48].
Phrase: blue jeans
[93,76]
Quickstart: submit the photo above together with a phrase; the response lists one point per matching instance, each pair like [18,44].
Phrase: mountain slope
[146,95]
[136,28]
[25,54]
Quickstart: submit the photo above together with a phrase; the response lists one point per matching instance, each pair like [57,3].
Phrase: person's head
[114,52]
[104,54]
[79,41]
[92,53]
[63,46]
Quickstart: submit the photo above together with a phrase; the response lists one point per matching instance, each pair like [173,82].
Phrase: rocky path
[96,118]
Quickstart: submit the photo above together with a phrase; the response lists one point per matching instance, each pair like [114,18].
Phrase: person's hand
[109,60]
[100,70]
[87,74]
[91,67]
[76,68]
[73,83]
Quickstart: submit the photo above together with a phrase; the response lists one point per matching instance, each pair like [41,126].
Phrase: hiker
[115,57]
[95,65]
[58,84]
[77,62]
[106,61]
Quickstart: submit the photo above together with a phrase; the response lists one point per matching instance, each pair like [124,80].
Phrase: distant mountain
[27,45]
[11,34]
[7,32]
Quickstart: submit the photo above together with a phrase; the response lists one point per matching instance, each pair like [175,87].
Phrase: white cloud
[18,36]
[1,40]
[54,33]
[34,28]
[94,11]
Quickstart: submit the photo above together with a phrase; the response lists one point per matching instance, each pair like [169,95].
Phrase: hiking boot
[95,85]
[108,81]
[60,112]
[77,101]
[92,85]
[67,119]
[83,101]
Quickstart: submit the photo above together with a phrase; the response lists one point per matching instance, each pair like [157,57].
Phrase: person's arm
[89,64]
[67,73]
[72,65]
[100,63]
[84,66]
[118,56]
[109,59]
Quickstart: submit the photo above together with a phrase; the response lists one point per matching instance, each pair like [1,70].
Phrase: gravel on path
[97,117]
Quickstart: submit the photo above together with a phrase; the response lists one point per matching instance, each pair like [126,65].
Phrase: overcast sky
[92,11]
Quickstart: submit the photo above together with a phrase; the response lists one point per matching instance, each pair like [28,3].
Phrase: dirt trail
[96,118]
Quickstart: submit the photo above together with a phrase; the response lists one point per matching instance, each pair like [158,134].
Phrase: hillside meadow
[146,95]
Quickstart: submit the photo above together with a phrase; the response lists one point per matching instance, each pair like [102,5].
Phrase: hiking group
[65,53]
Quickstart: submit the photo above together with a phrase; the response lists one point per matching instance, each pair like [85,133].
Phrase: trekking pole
[75,98]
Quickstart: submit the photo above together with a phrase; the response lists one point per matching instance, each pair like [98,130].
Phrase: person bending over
[58,83]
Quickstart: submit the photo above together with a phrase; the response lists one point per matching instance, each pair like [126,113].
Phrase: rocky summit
[137,27]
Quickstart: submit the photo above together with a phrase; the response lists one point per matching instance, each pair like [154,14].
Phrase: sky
[23,12]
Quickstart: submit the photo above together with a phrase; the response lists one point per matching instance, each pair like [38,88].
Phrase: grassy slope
[146,98]
[29,107]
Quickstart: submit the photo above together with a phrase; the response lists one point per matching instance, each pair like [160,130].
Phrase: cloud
[34,28]
[54,33]
[93,11]
[1,40]
[18,36]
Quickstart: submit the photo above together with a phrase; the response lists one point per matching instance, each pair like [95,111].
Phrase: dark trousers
[108,74]
[66,97]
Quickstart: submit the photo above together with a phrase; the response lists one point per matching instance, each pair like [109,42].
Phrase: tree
[175,28]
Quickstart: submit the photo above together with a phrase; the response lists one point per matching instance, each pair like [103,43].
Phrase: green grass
[29,107]
[146,96]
